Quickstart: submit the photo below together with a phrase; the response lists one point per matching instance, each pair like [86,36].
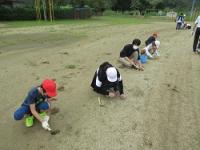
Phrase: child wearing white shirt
[152,49]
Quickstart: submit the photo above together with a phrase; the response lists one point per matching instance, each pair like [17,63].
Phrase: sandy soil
[162,109]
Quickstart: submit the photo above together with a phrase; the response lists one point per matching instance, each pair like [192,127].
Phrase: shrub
[63,13]
[109,13]
[28,13]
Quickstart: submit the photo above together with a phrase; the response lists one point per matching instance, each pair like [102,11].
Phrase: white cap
[111,74]
[157,43]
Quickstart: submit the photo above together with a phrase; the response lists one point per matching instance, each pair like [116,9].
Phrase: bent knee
[44,106]
[18,115]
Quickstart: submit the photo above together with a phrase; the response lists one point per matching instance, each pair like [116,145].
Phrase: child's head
[143,51]
[49,88]
[155,34]
[136,42]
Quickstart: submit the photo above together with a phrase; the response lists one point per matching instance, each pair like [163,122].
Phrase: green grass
[15,24]
[70,66]
[93,22]
[102,20]
[122,19]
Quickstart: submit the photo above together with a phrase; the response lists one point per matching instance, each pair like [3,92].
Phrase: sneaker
[195,52]
[29,121]
[198,51]
[42,114]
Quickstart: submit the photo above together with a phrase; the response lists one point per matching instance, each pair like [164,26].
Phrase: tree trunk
[50,10]
[44,9]
[37,9]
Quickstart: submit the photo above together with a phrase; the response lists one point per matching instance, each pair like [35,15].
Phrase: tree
[122,5]
[77,3]
[140,5]
[97,4]
[61,2]
[155,2]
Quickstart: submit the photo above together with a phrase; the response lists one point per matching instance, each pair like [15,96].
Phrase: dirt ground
[162,109]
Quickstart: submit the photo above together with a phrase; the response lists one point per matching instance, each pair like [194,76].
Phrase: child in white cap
[107,81]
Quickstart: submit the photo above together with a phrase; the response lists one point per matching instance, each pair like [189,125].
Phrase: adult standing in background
[197,33]
[180,21]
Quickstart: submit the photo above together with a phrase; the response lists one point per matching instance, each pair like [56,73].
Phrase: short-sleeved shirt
[34,97]
[128,50]
[150,40]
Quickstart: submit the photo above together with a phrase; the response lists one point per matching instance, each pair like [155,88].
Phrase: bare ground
[162,109]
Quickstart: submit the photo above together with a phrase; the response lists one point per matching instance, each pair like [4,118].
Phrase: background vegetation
[79,9]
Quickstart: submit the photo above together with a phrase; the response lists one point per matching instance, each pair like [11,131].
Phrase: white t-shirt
[198,21]
[148,48]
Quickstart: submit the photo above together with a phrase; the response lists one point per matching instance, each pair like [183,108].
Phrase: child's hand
[141,69]
[52,99]
[111,94]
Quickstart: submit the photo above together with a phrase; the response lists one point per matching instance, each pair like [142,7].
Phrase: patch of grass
[52,30]
[64,53]
[31,63]
[159,18]
[16,24]
[98,21]
[122,19]
[107,53]
[70,67]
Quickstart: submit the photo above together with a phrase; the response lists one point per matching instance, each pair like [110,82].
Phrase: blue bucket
[143,58]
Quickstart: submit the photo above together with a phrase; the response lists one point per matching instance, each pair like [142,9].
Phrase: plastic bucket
[143,58]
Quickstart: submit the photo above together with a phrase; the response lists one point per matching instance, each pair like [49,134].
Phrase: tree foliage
[140,5]
[123,5]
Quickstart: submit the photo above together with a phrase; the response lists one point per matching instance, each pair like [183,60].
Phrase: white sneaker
[198,50]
